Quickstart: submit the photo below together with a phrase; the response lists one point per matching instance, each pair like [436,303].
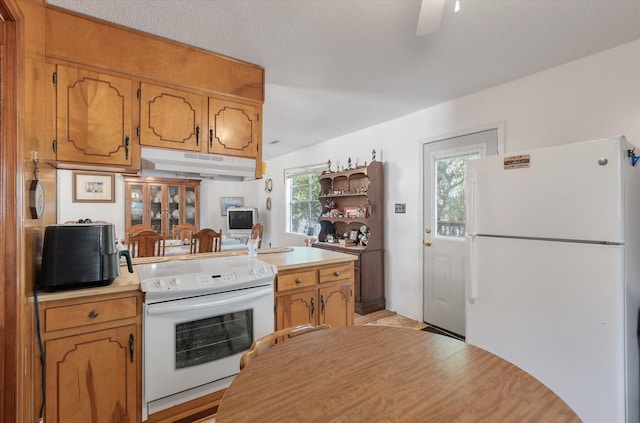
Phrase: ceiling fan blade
[430,16]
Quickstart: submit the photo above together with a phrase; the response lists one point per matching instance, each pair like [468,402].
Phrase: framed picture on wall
[93,187]
[226,202]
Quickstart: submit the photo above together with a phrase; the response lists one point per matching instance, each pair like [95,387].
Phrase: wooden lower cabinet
[368,276]
[323,294]
[93,355]
[91,377]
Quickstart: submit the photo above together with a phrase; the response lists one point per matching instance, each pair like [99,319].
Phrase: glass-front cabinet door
[191,214]
[157,208]
[161,203]
[135,193]
[173,207]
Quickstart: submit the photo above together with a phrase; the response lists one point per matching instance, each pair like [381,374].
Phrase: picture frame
[94,187]
[350,211]
[226,202]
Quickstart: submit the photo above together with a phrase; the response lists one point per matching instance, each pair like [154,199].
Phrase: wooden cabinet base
[193,411]
[315,295]
[369,277]
[367,307]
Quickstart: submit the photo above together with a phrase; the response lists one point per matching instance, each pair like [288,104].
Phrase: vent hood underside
[182,164]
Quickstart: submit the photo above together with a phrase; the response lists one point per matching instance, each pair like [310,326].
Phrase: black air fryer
[80,256]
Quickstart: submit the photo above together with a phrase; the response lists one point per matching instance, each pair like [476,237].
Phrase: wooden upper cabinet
[234,129]
[94,117]
[170,118]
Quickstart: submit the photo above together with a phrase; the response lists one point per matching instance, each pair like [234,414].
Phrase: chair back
[183,232]
[136,229]
[206,241]
[261,345]
[146,244]
[256,233]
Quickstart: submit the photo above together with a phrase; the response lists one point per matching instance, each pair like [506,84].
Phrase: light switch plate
[401,208]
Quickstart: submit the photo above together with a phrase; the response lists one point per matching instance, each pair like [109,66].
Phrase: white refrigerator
[553,270]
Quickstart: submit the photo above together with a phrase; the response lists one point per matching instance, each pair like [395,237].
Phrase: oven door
[195,341]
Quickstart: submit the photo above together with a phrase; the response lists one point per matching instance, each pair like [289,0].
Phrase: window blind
[314,169]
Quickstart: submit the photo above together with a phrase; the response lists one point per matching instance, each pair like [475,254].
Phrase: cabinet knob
[298,281]
[93,314]
[337,273]
[427,243]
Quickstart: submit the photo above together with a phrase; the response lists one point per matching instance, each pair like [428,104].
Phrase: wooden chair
[261,345]
[256,233]
[136,229]
[146,244]
[206,241]
[183,232]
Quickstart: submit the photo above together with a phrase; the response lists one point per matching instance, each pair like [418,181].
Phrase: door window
[448,187]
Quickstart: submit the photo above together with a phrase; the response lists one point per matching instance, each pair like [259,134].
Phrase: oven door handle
[176,307]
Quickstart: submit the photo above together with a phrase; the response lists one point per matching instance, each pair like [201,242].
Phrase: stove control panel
[206,277]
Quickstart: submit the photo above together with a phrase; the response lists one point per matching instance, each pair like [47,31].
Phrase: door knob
[427,243]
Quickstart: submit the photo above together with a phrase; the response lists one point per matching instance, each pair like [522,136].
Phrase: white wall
[594,97]
[108,212]
[210,193]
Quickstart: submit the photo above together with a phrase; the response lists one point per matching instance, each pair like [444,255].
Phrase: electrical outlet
[401,208]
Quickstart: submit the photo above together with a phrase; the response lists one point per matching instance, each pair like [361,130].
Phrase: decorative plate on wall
[36,199]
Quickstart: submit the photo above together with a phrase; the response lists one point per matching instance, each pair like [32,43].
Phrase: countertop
[336,245]
[285,258]
[300,257]
[124,283]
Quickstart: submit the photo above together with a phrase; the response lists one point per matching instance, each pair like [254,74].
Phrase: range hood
[184,164]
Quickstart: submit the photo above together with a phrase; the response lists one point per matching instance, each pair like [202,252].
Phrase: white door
[443,226]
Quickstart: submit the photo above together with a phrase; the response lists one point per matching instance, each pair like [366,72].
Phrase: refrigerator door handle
[471,280]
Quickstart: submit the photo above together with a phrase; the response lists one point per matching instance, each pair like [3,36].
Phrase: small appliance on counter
[80,255]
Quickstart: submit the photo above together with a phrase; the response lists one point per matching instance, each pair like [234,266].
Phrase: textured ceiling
[335,66]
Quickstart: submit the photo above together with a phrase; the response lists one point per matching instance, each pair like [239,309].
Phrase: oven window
[213,338]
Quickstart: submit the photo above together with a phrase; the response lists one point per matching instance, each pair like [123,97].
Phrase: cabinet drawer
[65,317]
[296,280]
[336,273]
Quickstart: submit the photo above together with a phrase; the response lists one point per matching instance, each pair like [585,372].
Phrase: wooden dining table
[385,374]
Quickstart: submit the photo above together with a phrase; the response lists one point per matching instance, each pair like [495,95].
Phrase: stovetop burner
[187,278]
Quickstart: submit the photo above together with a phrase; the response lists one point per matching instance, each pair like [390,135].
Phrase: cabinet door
[93,117]
[162,204]
[234,129]
[297,309]
[92,377]
[157,201]
[135,212]
[175,207]
[192,204]
[170,118]
[336,305]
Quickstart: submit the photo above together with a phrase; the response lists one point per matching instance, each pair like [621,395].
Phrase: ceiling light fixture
[429,16]
[456,7]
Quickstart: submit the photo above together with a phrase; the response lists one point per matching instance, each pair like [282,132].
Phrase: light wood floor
[387,318]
